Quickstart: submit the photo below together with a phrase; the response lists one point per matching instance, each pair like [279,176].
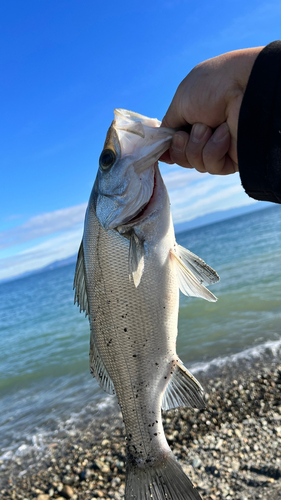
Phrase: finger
[165,157]
[200,134]
[215,154]
[177,149]
[230,166]
[174,116]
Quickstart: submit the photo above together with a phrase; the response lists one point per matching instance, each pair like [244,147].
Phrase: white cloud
[43,225]
[177,177]
[55,248]
[192,195]
[231,197]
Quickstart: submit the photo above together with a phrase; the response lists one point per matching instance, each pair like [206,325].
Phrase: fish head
[125,178]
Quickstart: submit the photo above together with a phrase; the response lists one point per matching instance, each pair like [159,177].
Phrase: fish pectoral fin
[188,282]
[79,284]
[97,368]
[136,258]
[204,273]
[183,390]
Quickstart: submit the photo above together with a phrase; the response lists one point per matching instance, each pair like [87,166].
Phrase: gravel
[231,450]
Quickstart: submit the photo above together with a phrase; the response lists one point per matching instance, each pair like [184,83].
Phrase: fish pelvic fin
[183,390]
[164,481]
[79,284]
[190,277]
[136,258]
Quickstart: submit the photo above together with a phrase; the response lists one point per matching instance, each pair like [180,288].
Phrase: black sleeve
[259,128]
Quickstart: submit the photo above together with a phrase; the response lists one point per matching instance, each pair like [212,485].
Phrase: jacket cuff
[259,128]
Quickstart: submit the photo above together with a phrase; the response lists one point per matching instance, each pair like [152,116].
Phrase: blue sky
[65,65]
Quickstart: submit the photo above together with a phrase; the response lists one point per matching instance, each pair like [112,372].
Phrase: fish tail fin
[164,481]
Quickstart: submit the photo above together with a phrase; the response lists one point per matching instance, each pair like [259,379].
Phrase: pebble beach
[231,450]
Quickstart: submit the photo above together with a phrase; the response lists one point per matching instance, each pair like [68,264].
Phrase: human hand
[209,99]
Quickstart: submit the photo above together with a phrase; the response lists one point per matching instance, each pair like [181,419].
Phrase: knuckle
[194,157]
[179,158]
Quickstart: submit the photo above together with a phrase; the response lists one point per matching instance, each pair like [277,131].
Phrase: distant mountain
[179,228]
[220,215]
[49,267]
[59,263]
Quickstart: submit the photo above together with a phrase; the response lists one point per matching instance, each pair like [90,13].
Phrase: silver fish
[128,275]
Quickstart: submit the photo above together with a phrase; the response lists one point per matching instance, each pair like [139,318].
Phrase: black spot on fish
[155,433]
[125,329]
[134,355]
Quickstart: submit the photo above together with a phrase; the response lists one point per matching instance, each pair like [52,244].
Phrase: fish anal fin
[98,369]
[136,258]
[79,284]
[188,282]
[183,390]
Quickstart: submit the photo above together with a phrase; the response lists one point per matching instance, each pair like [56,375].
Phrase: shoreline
[231,450]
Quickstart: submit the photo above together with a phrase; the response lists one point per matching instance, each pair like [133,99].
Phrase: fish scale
[130,326]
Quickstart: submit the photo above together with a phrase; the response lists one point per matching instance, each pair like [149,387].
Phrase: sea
[46,389]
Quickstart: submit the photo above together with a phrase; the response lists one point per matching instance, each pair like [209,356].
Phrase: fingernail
[178,142]
[198,131]
[221,132]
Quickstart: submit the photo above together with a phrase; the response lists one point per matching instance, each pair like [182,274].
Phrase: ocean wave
[267,351]
[36,444]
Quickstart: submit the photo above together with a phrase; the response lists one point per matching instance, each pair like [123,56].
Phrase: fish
[128,275]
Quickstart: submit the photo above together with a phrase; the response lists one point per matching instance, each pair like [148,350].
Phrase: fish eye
[107,158]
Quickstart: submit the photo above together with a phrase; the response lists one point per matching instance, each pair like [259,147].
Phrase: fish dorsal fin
[136,258]
[204,273]
[79,284]
[183,390]
[188,282]
[133,128]
[97,367]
